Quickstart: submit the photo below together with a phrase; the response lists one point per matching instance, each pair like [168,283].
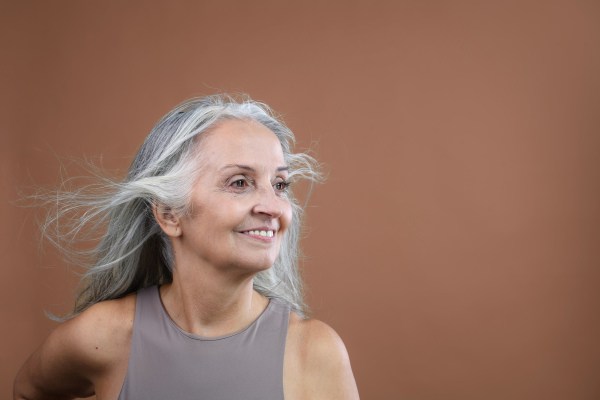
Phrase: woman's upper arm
[327,364]
[66,365]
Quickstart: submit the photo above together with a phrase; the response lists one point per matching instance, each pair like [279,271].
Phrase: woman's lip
[261,228]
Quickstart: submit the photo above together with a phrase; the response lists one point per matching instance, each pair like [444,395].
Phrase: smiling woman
[241,195]
[193,291]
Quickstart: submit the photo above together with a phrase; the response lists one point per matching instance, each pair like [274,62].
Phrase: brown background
[455,247]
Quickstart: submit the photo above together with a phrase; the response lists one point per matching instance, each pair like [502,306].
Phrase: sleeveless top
[166,362]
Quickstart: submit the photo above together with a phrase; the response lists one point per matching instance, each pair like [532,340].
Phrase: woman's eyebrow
[246,167]
[249,168]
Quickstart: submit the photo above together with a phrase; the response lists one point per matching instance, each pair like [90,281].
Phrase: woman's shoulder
[102,331]
[315,340]
[317,353]
[108,317]
[81,352]
[95,339]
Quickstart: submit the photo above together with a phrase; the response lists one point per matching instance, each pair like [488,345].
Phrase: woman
[193,292]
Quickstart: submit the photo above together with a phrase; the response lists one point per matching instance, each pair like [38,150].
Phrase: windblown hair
[133,252]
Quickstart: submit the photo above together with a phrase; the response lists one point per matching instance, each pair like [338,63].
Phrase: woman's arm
[328,371]
[74,357]
[318,366]
[51,372]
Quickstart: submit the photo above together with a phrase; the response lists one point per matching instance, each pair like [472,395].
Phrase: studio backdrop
[455,244]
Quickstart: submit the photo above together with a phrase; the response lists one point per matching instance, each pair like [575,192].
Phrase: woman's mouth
[261,234]
[268,233]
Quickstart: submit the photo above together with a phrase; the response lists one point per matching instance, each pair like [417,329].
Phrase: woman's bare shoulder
[109,323]
[315,339]
[321,357]
[312,332]
[99,333]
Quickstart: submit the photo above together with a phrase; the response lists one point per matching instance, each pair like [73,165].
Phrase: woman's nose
[268,203]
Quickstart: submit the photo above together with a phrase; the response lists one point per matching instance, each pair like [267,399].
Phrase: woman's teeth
[261,233]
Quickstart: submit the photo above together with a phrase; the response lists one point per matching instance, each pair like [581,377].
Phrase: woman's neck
[209,302]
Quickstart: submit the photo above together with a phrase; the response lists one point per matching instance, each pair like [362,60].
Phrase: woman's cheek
[288,214]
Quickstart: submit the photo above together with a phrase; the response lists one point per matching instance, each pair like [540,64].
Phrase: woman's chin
[260,267]
[253,266]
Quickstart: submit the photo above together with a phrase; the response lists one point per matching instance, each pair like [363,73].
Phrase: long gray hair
[133,252]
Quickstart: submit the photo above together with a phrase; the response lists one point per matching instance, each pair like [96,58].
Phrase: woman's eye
[240,183]
[281,186]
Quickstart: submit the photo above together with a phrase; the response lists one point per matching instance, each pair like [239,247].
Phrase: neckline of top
[206,338]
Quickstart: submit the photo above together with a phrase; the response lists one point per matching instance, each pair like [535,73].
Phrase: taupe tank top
[166,362]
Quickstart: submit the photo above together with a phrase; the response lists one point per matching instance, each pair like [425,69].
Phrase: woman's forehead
[241,142]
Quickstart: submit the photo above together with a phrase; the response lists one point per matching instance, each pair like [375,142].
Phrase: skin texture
[241,187]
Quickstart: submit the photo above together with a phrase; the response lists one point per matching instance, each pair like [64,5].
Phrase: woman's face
[240,210]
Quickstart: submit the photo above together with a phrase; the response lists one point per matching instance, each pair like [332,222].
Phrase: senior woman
[193,291]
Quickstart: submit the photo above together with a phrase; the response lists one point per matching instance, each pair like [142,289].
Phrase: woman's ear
[167,219]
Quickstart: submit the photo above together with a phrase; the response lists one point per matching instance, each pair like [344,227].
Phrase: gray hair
[133,252]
